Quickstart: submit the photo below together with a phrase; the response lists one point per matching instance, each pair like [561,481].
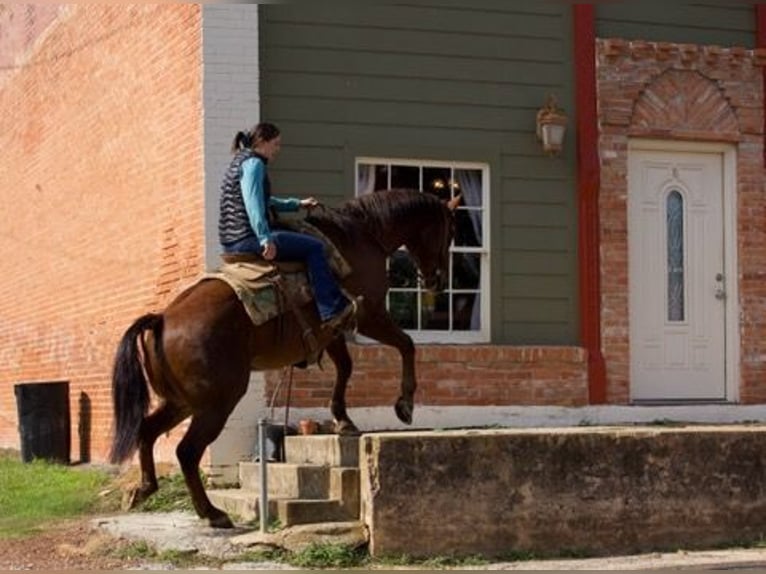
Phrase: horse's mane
[370,213]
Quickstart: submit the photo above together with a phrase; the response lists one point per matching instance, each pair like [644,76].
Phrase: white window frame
[481,335]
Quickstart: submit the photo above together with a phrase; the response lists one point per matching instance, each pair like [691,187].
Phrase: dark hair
[262,132]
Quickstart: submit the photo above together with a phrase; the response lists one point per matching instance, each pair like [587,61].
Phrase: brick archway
[684,104]
[692,93]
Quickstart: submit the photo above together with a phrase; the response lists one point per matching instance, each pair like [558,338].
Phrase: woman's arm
[253,172]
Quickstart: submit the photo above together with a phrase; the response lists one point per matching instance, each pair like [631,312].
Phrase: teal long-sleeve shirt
[253,192]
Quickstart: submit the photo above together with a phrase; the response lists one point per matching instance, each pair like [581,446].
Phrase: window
[461,312]
[674,216]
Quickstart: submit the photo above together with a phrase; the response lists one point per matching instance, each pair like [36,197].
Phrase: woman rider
[244,225]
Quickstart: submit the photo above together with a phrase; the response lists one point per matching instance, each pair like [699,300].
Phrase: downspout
[588,183]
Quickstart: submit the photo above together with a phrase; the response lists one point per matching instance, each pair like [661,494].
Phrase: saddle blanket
[254,281]
[254,285]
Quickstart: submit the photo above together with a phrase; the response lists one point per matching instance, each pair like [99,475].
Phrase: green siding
[723,23]
[446,81]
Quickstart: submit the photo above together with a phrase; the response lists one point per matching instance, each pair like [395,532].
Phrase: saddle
[268,289]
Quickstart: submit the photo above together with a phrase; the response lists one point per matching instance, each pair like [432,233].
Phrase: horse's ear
[454,202]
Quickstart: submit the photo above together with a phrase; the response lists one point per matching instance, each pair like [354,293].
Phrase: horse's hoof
[221,520]
[346,428]
[404,411]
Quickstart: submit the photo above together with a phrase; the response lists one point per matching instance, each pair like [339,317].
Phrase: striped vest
[233,222]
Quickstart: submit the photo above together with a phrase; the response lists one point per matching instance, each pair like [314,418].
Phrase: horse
[198,353]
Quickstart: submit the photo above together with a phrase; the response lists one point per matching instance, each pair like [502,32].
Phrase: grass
[172,495]
[37,493]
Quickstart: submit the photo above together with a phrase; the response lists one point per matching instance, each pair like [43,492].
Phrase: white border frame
[449,337]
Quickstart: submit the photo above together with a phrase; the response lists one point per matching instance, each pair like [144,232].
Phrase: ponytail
[241,141]
[261,132]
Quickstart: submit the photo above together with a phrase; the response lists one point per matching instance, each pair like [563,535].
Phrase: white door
[677,282]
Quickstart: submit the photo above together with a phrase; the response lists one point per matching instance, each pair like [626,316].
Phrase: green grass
[37,493]
[329,556]
[171,495]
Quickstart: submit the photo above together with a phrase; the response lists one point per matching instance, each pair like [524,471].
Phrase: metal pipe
[263,504]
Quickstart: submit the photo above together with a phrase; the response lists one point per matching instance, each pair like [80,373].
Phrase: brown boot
[343,320]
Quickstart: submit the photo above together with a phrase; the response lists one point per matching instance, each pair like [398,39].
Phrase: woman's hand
[269,251]
[309,203]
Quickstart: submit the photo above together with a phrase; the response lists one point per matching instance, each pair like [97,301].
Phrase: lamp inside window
[551,127]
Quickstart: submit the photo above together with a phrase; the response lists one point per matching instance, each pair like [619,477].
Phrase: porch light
[551,126]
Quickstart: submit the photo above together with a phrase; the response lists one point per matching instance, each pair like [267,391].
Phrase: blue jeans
[292,246]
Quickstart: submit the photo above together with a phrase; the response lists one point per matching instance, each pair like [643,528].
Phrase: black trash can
[44,421]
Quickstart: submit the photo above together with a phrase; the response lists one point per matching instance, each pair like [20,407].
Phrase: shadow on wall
[84,427]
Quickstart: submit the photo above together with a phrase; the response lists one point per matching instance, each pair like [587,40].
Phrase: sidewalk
[184,532]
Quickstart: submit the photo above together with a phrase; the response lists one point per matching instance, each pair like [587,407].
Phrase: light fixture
[551,126]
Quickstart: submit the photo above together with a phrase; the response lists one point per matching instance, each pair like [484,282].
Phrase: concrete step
[243,506]
[322,449]
[291,512]
[287,480]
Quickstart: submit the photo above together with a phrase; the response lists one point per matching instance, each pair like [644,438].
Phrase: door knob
[720,291]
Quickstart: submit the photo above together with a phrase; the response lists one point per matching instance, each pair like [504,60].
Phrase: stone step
[287,480]
[243,506]
[322,449]
[291,512]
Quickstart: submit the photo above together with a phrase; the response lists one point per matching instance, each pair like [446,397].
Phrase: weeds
[329,556]
[171,495]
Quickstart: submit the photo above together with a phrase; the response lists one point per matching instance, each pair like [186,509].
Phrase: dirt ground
[68,545]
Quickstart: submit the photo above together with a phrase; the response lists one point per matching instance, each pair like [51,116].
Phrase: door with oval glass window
[677,282]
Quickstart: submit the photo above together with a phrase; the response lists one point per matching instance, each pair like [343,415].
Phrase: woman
[245,225]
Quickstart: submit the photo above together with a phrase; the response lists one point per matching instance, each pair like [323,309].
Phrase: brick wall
[451,375]
[102,189]
[681,92]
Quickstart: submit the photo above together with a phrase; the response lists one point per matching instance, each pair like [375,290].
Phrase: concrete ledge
[589,490]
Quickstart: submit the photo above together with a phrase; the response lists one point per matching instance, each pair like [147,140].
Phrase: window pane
[402,271]
[405,176]
[404,309]
[435,311]
[371,177]
[466,270]
[675,238]
[468,228]
[469,183]
[436,180]
[466,312]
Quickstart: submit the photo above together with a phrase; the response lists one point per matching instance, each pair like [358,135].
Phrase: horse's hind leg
[382,328]
[204,428]
[162,420]
[338,351]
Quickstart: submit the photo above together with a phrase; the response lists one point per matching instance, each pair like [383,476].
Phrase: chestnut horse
[197,355]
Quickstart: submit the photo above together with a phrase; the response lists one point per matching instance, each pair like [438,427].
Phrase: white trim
[448,337]
[731,265]
[370,419]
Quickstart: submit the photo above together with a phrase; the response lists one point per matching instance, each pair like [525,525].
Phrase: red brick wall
[102,190]
[452,375]
[695,93]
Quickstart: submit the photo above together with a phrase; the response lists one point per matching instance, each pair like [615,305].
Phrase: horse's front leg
[338,351]
[381,327]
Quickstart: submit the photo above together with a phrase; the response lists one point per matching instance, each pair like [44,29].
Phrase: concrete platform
[585,490]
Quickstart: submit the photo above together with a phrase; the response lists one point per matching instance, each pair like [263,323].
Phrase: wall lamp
[551,126]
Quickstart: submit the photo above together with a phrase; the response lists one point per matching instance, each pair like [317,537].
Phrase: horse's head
[431,249]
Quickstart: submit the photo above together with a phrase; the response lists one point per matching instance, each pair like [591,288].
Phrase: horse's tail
[130,393]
